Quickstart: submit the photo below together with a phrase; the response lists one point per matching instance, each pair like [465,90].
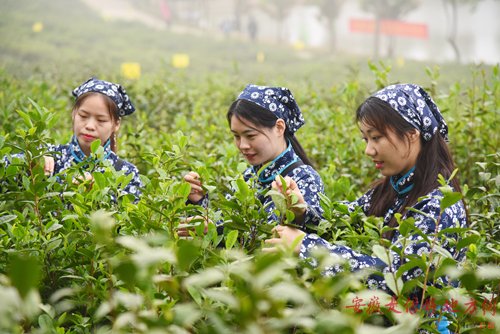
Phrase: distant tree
[451,11]
[387,10]
[278,9]
[330,10]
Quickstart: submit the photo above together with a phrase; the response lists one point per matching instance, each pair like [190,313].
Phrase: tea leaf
[231,239]
[24,272]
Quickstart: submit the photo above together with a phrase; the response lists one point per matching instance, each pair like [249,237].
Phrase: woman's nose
[370,150]
[243,144]
[90,124]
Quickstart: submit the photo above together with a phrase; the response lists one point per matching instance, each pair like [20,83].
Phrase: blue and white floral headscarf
[279,101]
[416,106]
[114,91]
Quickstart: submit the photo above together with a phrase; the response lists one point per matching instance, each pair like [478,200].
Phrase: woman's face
[92,120]
[258,144]
[391,154]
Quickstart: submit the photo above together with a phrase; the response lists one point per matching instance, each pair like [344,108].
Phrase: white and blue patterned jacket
[306,177]
[428,220]
[67,155]
[308,181]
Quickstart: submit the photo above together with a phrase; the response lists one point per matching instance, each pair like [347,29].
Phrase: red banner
[390,28]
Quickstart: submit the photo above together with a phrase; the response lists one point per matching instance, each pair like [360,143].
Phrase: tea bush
[73,260]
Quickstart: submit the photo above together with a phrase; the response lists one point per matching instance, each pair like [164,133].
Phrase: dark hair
[434,158]
[113,113]
[246,110]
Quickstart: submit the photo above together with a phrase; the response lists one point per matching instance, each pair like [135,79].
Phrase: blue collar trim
[269,171]
[402,185]
[79,155]
[273,177]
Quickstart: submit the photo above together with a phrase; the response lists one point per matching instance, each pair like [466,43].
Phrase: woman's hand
[196,193]
[286,236]
[48,165]
[292,188]
[185,227]
[85,177]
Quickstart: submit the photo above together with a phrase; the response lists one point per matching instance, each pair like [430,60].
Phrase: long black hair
[245,110]
[434,158]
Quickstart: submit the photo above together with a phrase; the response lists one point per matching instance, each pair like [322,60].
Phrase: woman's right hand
[186,226]
[287,237]
[196,193]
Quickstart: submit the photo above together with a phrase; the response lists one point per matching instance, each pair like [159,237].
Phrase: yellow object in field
[180,60]
[261,57]
[37,26]
[131,70]
[299,45]
[401,62]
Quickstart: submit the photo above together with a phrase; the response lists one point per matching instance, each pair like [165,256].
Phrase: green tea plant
[79,257]
[243,212]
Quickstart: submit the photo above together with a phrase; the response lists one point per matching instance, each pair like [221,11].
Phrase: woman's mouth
[88,137]
[378,164]
[249,156]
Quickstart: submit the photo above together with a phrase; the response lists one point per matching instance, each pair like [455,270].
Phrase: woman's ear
[280,126]
[414,135]
[117,126]
[414,143]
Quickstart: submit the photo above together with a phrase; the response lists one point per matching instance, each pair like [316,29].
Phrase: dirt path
[121,10]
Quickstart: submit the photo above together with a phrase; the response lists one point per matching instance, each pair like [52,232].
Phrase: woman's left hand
[292,188]
[287,236]
[48,165]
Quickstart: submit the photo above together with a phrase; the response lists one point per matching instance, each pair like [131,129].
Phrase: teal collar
[403,184]
[77,152]
[267,173]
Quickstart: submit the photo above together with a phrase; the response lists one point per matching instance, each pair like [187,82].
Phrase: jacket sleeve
[310,185]
[135,185]
[453,216]
[202,202]
[6,160]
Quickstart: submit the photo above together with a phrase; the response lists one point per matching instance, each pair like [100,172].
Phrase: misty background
[267,40]
[457,30]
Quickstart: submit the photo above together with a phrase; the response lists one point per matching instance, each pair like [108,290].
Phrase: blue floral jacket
[429,206]
[67,155]
[307,179]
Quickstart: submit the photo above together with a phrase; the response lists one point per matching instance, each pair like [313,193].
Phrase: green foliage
[78,257]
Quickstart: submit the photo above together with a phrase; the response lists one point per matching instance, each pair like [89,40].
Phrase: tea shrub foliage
[73,260]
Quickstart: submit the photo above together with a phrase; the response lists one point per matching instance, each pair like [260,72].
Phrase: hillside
[79,40]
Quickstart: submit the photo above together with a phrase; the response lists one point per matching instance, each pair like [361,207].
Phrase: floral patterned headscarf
[279,101]
[415,105]
[114,91]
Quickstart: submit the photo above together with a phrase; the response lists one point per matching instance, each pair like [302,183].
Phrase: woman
[97,113]
[263,121]
[405,137]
